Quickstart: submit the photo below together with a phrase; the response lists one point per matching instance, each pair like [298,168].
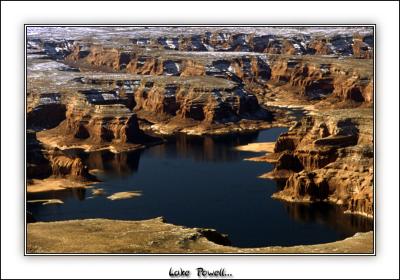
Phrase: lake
[202,182]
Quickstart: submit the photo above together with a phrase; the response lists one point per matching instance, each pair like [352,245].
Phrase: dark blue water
[203,182]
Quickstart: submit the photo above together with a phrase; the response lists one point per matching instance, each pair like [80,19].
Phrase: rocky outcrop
[104,92]
[344,44]
[320,46]
[193,68]
[328,157]
[157,236]
[348,82]
[313,78]
[37,165]
[96,121]
[43,162]
[363,46]
[237,67]
[98,127]
[63,165]
[190,99]
[201,88]
[306,77]
[45,105]
[353,88]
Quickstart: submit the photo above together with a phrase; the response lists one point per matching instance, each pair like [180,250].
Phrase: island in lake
[199,139]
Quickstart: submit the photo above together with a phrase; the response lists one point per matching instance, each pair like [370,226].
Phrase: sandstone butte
[121,95]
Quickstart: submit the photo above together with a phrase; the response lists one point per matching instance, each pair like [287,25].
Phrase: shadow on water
[328,215]
[75,193]
[202,182]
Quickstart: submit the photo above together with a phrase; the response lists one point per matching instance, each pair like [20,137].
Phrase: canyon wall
[110,93]
[349,82]
[328,157]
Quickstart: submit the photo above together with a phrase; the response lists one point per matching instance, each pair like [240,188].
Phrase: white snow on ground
[97,33]
[218,53]
[108,96]
[45,66]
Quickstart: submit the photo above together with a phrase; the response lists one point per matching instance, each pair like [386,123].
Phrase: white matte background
[14,15]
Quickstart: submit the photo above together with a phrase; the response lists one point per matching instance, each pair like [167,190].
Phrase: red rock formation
[196,102]
[43,163]
[145,66]
[37,165]
[329,157]
[192,68]
[313,79]
[353,88]
[67,166]
[320,46]
[94,126]
[99,56]
[157,99]
[98,126]
[361,49]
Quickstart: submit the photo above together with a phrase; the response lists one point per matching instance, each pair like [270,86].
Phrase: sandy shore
[266,147]
[54,184]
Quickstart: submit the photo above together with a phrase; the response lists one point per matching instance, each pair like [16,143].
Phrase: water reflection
[201,182]
[120,164]
[66,194]
[208,148]
[328,215]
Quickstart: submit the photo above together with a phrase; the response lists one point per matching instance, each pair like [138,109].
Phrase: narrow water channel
[202,182]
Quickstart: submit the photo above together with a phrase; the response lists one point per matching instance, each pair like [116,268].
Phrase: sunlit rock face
[108,88]
[195,101]
[352,42]
[329,158]
[213,75]
[96,119]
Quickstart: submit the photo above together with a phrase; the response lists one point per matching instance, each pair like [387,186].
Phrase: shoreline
[56,184]
[155,236]
[267,147]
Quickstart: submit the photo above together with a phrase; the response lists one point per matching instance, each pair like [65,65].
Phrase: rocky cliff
[328,157]
[41,106]
[200,99]
[359,45]
[313,77]
[240,67]
[96,121]
[347,82]
[183,90]
[68,166]
[108,89]
[44,162]
[37,165]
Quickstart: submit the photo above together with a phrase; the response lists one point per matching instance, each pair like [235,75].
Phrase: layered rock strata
[328,157]
[344,41]
[96,121]
[103,93]
[327,81]
[41,107]
[350,44]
